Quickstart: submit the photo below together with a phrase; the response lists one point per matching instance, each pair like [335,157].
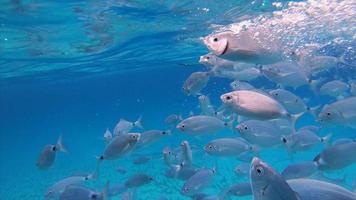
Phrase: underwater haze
[177,99]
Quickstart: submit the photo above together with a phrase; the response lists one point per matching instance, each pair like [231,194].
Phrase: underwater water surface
[75,68]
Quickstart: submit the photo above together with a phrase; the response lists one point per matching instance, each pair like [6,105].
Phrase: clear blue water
[76,67]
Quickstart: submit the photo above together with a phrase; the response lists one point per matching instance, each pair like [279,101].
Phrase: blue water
[76,67]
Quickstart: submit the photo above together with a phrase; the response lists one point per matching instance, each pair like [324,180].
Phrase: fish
[241,85]
[228,147]
[210,61]
[83,193]
[196,82]
[336,156]
[336,88]
[173,120]
[300,170]
[205,106]
[268,184]
[242,169]
[242,46]
[120,146]
[138,180]
[248,74]
[56,189]
[107,136]
[341,112]
[291,102]
[48,154]
[124,126]
[287,74]
[202,124]
[151,136]
[303,140]
[261,133]
[141,160]
[240,189]
[187,154]
[199,181]
[256,105]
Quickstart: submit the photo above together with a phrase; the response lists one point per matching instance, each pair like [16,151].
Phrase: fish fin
[313,110]
[326,139]
[60,145]
[138,123]
[293,119]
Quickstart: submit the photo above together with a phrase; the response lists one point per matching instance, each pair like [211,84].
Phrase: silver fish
[240,189]
[300,170]
[48,154]
[335,88]
[124,126]
[337,156]
[261,133]
[228,147]
[196,82]
[119,146]
[138,180]
[242,169]
[241,85]
[242,46]
[173,120]
[151,136]
[287,74]
[205,106]
[254,104]
[56,189]
[196,183]
[303,140]
[291,102]
[141,160]
[267,184]
[341,112]
[202,124]
[83,193]
[187,153]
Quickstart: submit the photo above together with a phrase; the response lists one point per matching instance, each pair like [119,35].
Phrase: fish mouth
[226,48]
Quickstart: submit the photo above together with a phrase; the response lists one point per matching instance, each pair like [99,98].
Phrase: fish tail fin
[313,110]
[326,139]
[138,123]
[60,145]
[230,124]
[342,60]
[294,118]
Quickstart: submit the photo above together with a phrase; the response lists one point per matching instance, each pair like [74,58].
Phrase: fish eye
[284,140]
[259,170]
[246,128]
[93,196]
[275,94]
[207,57]
[183,126]
[210,147]
[228,97]
[328,114]
[216,39]
[163,132]
[54,148]
[186,189]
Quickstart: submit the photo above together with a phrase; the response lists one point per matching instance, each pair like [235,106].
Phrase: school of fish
[257,118]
